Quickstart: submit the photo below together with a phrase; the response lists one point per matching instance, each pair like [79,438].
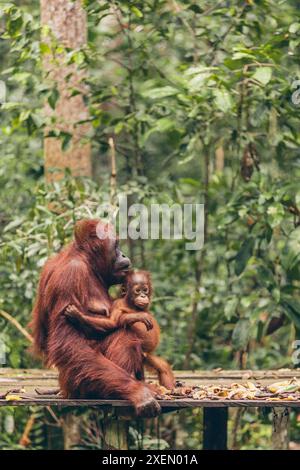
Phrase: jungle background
[196,102]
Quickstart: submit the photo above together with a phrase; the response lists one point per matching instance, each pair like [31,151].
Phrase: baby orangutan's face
[138,290]
[141,296]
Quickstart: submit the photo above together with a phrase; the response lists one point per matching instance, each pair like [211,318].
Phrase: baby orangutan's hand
[72,312]
[131,318]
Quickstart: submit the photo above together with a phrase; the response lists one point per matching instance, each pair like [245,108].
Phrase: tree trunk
[64,25]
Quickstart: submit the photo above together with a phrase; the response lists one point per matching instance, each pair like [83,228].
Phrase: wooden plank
[215,428]
[37,378]
[167,404]
[45,374]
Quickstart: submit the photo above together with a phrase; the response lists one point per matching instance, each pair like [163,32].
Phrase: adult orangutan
[131,310]
[81,275]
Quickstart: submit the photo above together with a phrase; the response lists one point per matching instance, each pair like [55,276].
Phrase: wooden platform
[25,383]
[31,379]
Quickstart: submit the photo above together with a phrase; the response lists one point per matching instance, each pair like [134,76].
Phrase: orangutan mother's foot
[146,406]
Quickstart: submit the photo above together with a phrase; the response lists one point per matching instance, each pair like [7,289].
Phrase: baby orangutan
[131,311]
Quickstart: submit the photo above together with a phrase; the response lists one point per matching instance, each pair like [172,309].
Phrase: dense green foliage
[187,89]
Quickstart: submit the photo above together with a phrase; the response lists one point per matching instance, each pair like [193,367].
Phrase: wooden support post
[116,433]
[215,428]
[71,430]
[280,432]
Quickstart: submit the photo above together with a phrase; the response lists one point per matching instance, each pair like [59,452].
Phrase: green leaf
[24,115]
[53,97]
[77,58]
[294,28]
[242,55]
[195,8]
[14,26]
[230,307]
[158,93]
[66,140]
[243,255]
[45,48]
[164,124]
[275,214]
[11,105]
[291,307]
[276,294]
[223,100]
[38,121]
[136,11]
[240,335]
[233,64]
[191,182]
[292,315]
[263,75]
[14,224]
[293,303]
[21,77]
[265,276]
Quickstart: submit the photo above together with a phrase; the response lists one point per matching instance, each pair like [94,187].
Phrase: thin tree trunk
[113,174]
[191,331]
[64,24]
[219,161]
